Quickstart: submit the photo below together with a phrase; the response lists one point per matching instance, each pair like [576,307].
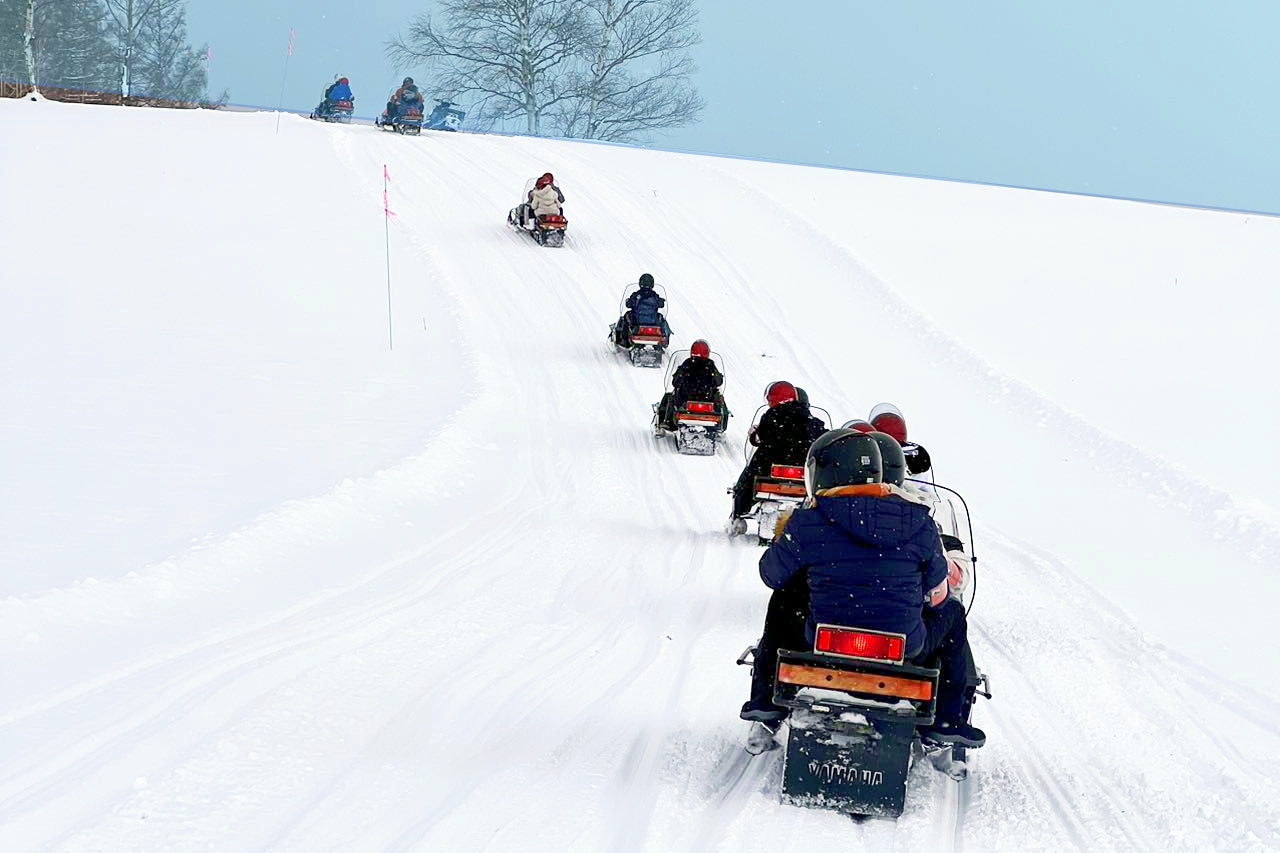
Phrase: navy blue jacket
[644,305]
[869,559]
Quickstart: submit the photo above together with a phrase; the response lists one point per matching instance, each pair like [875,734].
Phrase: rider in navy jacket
[863,553]
[870,556]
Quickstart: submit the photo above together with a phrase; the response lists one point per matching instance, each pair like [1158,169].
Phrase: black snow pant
[744,491]
[946,646]
[784,628]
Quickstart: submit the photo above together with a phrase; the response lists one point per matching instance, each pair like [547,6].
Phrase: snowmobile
[335,111]
[445,116]
[776,494]
[407,119]
[855,706]
[546,230]
[698,425]
[645,345]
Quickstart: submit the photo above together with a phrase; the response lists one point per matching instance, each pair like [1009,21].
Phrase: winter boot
[953,734]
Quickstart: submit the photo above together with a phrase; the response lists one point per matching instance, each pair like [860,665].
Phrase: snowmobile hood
[877,520]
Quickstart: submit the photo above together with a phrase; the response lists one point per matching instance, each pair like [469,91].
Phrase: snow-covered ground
[269,583]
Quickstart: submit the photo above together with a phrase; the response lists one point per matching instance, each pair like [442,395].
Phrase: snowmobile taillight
[702,408]
[650,330]
[787,472]
[865,645]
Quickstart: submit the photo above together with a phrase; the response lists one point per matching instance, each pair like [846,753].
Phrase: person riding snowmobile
[544,199]
[338,90]
[643,309]
[697,378]
[783,436]
[859,555]
[407,95]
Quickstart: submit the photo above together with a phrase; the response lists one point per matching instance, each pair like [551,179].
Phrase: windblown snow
[320,532]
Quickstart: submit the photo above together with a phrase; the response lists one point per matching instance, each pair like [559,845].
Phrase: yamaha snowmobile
[644,343]
[445,116]
[546,230]
[855,707]
[698,425]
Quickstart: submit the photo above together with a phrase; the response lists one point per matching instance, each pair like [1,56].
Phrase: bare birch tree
[68,45]
[515,56]
[165,64]
[638,75]
[598,69]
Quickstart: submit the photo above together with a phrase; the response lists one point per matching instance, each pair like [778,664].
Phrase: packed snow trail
[521,635]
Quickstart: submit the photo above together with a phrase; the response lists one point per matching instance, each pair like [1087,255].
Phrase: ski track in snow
[547,663]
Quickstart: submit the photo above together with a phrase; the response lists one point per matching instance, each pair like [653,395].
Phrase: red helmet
[700,349]
[343,81]
[780,392]
[886,417]
[545,181]
[859,425]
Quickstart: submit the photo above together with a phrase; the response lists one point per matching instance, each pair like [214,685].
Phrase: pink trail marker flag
[290,41]
[386,203]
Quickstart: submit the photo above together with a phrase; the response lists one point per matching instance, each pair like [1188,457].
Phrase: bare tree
[516,56]
[128,18]
[68,45]
[598,69]
[165,65]
[638,76]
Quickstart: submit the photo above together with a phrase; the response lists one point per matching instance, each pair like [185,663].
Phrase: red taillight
[650,330]
[787,472]
[702,408]
[859,644]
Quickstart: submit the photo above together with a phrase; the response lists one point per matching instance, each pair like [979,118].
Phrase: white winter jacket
[546,200]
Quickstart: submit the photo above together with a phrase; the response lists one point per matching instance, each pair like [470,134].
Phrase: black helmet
[893,463]
[803,396]
[646,282]
[842,457]
[408,81]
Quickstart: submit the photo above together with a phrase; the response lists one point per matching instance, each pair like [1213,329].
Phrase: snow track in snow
[522,635]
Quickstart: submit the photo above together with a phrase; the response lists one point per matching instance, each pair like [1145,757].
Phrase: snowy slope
[271,585]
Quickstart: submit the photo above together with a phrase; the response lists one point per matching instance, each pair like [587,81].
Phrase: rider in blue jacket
[860,553]
[644,308]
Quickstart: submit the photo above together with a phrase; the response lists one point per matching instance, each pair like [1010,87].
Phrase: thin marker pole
[284,78]
[386,226]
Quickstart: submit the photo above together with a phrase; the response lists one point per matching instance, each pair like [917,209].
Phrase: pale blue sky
[1140,99]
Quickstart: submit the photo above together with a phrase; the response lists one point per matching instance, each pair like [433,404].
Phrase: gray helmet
[842,457]
[893,462]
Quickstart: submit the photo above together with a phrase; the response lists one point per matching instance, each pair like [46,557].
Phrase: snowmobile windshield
[632,288]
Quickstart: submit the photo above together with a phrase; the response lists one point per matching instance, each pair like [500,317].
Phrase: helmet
[802,396]
[893,464]
[546,180]
[646,282]
[343,81]
[858,425]
[408,81]
[700,349]
[842,457]
[887,418]
[780,392]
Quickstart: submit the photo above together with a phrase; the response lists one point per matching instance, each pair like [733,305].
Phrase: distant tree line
[134,48]
[590,69]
